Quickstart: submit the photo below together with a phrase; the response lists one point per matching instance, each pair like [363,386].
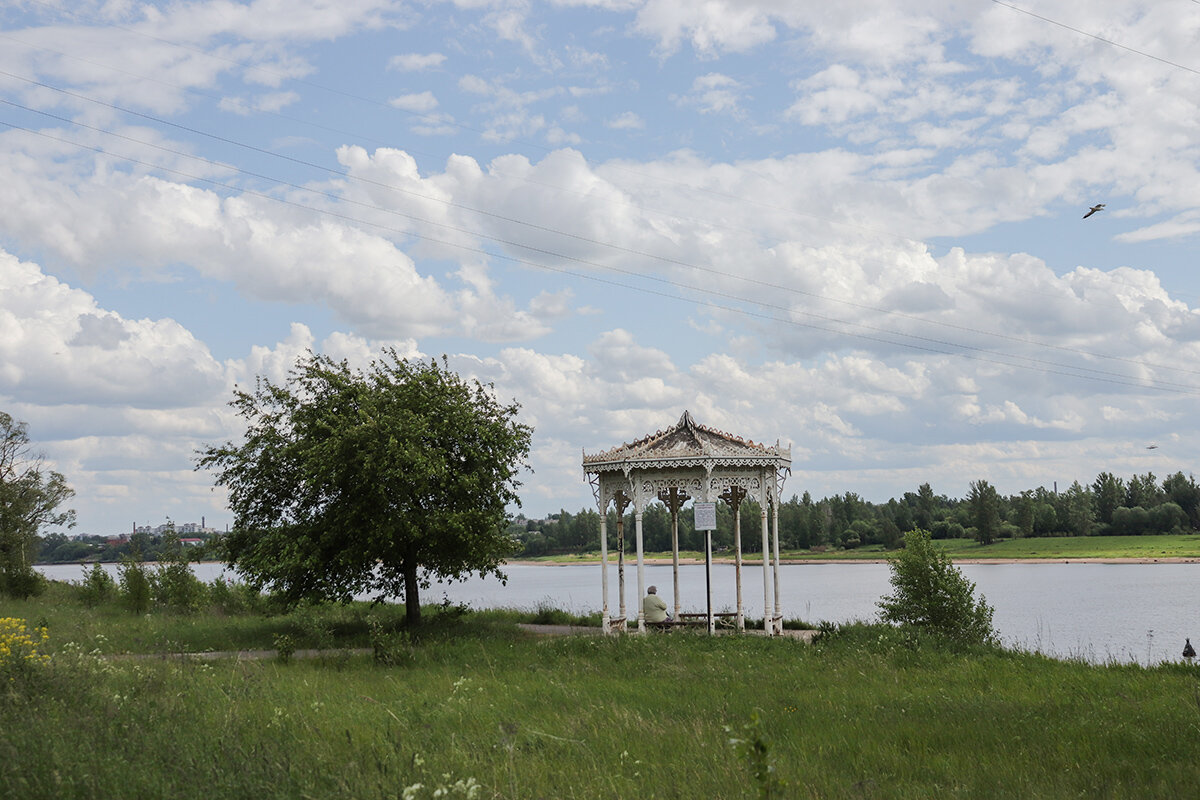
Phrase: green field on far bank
[469,706]
[1158,546]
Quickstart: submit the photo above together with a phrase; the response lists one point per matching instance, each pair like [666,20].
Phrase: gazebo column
[775,530]
[604,569]
[768,621]
[674,498]
[622,502]
[733,496]
[637,526]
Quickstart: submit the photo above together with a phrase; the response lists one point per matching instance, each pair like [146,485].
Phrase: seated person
[654,608]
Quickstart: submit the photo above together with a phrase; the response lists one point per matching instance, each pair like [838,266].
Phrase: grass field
[468,706]
[1066,547]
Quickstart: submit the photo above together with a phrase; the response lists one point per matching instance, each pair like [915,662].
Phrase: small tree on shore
[929,592]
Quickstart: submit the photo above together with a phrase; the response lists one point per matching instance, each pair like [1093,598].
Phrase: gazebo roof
[687,443]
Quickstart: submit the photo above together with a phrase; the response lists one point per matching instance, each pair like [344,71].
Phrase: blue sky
[852,227]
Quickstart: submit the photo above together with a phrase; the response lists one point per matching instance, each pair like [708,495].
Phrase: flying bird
[1094,209]
[1151,447]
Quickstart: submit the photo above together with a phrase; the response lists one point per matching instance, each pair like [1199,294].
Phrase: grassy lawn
[1147,547]
[469,706]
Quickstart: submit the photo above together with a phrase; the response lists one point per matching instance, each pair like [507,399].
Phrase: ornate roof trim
[688,443]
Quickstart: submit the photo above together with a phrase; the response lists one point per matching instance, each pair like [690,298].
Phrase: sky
[852,228]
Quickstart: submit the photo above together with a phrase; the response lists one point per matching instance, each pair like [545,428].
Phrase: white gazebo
[688,462]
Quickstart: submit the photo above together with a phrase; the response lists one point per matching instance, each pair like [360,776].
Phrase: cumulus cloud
[418,103]
[624,121]
[714,94]
[56,342]
[416,62]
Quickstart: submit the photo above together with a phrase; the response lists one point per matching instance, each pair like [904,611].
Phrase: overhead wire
[525,223]
[418,115]
[1098,38]
[976,353]
[559,232]
[334,90]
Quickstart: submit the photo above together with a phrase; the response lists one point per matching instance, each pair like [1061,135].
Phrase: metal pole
[708,578]
[637,525]
[604,569]
[621,566]
[675,553]
[768,625]
[775,526]
[737,563]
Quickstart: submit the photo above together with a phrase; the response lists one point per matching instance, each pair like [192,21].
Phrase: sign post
[706,520]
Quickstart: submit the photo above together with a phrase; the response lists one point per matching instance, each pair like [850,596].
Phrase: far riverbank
[557,561]
[1155,549]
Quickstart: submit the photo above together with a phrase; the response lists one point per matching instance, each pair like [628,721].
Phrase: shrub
[135,584]
[930,592]
[390,648]
[176,585]
[285,647]
[97,586]
[21,583]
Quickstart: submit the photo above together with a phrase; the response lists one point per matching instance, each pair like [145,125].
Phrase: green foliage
[390,647]
[870,712]
[97,586]
[135,583]
[177,587]
[352,482]
[985,511]
[30,497]
[285,647]
[750,743]
[929,592]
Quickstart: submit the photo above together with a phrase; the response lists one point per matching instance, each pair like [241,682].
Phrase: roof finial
[686,420]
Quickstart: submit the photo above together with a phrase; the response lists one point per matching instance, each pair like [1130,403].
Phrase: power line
[525,179]
[1039,365]
[418,115]
[1065,26]
[558,232]
[516,221]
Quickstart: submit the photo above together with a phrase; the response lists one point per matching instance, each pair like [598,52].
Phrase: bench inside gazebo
[689,462]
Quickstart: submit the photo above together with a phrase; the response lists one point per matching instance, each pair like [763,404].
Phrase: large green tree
[984,511]
[30,496]
[371,481]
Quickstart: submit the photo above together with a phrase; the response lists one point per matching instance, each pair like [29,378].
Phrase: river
[1098,612]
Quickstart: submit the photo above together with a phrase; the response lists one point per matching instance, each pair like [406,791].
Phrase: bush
[97,586]
[135,584]
[930,592]
[21,583]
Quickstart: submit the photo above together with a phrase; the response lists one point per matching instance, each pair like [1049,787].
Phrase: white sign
[706,516]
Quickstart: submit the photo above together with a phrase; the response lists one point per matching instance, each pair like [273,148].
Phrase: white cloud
[711,28]
[625,121]
[714,93]
[418,103]
[266,102]
[56,342]
[416,62]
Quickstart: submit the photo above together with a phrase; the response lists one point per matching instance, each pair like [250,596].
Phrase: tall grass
[477,709]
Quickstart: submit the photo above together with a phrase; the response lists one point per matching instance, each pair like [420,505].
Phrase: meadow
[1149,548]
[469,705]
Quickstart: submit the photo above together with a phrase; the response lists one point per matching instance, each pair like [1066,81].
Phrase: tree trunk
[412,595]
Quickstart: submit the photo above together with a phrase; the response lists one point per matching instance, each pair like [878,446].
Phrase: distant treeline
[1108,506]
[57,548]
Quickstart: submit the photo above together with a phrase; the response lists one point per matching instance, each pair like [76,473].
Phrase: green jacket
[654,608]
